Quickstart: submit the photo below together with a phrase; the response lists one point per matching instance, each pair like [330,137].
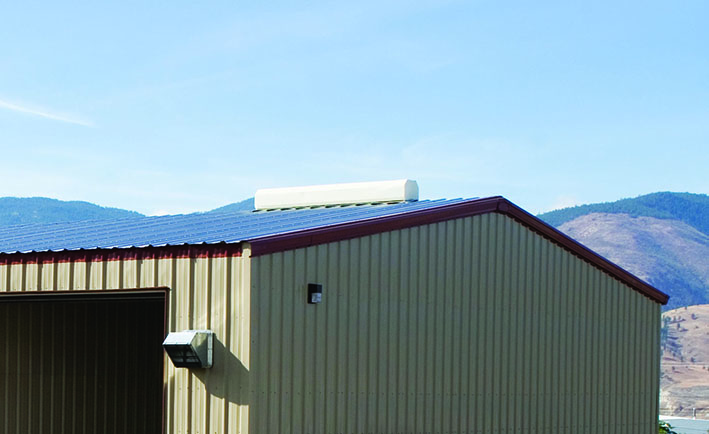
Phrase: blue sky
[184,106]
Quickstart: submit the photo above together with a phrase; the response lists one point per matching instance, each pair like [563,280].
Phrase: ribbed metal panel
[470,325]
[205,292]
[197,228]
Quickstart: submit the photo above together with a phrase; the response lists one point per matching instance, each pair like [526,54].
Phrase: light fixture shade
[190,348]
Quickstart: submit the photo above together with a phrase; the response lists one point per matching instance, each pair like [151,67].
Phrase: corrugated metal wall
[206,292]
[471,325]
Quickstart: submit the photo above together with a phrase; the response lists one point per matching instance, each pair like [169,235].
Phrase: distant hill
[692,209]
[669,254]
[244,205]
[662,238]
[26,210]
[684,380]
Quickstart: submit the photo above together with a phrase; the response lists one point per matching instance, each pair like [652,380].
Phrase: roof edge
[299,239]
[583,252]
[124,254]
[343,231]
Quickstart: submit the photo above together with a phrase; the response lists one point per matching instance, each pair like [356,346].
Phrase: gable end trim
[498,204]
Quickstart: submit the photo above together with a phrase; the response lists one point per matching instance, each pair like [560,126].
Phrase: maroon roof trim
[583,252]
[344,231]
[310,237]
[361,228]
[221,250]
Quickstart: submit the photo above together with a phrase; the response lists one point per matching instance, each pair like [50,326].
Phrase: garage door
[84,362]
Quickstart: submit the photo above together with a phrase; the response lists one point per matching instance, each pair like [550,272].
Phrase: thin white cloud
[44,114]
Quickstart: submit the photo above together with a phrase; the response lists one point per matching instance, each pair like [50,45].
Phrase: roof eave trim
[306,238]
[583,252]
[344,231]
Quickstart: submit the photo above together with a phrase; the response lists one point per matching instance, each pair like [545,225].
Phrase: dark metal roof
[208,228]
[272,231]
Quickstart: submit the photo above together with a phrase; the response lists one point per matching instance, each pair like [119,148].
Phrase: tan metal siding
[211,291]
[470,325]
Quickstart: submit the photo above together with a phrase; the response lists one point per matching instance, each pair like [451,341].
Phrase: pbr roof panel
[272,231]
[208,228]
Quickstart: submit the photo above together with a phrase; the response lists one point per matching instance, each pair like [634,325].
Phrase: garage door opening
[88,362]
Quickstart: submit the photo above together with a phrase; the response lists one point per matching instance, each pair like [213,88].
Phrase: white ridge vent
[337,194]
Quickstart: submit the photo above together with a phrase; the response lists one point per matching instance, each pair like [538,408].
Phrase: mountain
[692,209]
[244,205]
[663,238]
[669,254]
[25,210]
[684,380]
[28,210]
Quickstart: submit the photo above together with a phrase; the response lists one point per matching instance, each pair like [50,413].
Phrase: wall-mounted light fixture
[190,348]
[314,293]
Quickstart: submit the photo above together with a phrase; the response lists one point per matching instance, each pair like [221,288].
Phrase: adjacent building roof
[271,231]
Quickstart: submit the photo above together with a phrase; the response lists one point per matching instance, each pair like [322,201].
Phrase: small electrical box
[190,348]
[314,293]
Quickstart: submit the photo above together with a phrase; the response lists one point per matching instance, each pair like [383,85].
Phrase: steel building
[444,316]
